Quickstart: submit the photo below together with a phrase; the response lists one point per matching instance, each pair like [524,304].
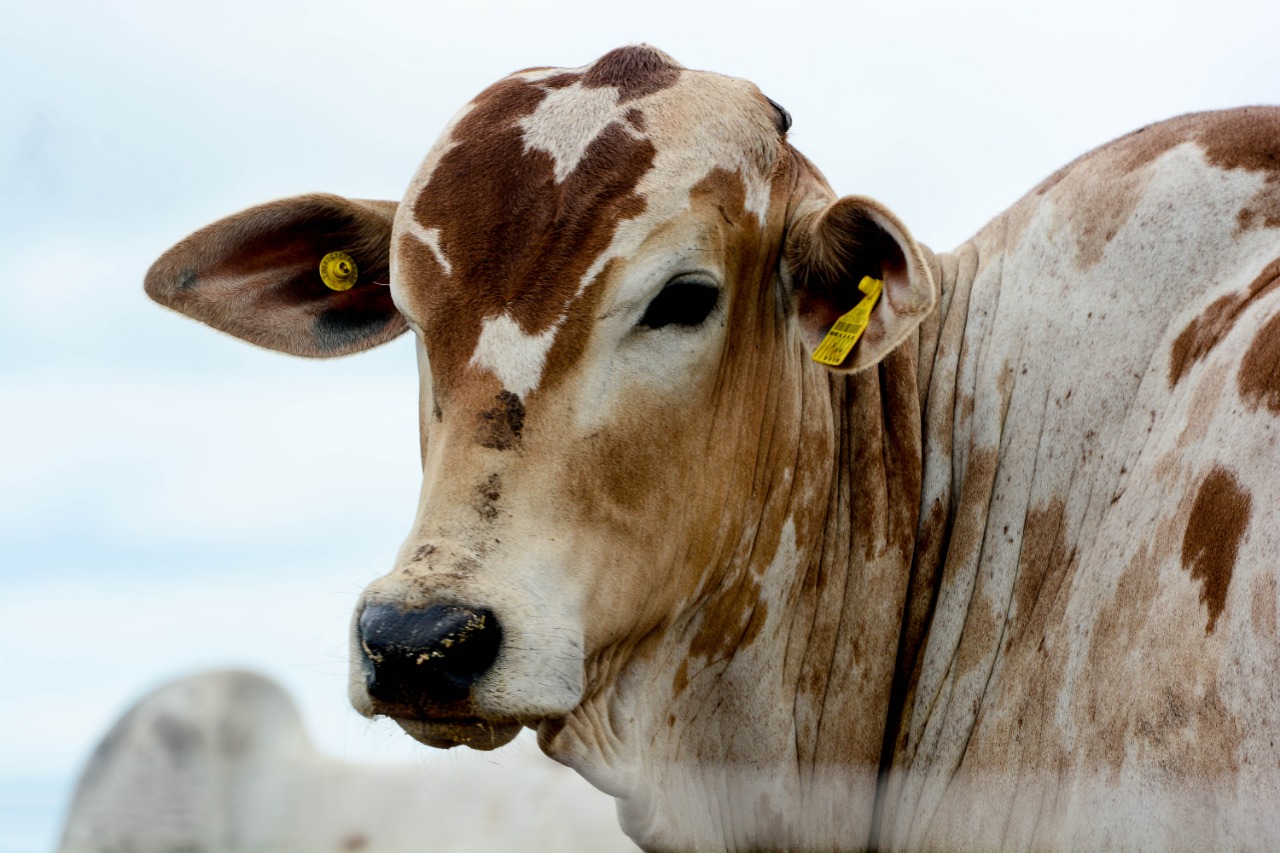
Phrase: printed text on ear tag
[338,271]
[844,334]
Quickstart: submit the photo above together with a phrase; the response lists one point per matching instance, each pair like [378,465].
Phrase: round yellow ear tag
[338,271]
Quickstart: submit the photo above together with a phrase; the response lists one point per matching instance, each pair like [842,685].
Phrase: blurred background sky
[172,499]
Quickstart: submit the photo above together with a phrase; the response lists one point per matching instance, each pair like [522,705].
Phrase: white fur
[589,111]
[514,356]
[430,238]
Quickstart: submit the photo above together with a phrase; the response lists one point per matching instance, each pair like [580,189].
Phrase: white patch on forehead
[536,74]
[688,152]
[511,354]
[430,237]
[568,120]
[758,190]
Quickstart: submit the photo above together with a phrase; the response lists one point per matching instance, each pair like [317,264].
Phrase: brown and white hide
[1005,577]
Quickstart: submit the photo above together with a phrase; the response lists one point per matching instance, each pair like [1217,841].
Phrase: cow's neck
[723,739]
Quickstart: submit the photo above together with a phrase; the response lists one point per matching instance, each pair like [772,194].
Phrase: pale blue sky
[172,499]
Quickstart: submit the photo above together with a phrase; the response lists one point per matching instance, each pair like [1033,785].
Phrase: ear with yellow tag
[294,275]
[860,283]
[839,342]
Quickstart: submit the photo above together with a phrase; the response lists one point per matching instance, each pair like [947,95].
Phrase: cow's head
[615,276]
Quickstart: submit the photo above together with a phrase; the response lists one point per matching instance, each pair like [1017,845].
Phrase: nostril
[431,655]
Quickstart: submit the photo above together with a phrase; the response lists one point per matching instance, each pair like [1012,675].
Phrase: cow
[1002,575]
[221,761]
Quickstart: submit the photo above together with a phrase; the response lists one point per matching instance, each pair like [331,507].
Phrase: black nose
[427,656]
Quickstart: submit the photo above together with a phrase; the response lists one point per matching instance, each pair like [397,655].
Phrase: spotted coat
[1005,578]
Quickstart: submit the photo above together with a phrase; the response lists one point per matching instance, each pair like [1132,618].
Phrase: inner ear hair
[847,242]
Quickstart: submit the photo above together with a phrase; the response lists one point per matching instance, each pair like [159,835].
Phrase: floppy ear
[256,275]
[827,253]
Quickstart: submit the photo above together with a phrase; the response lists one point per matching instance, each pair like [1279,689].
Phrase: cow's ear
[256,275]
[829,249]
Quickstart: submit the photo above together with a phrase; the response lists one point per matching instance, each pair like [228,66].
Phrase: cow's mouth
[474,732]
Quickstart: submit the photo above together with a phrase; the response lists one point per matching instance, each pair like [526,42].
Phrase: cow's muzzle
[426,658]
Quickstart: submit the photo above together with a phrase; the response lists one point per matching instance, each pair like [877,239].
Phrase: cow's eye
[683,302]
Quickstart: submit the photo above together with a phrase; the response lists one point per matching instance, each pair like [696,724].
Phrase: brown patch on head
[1218,521]
[354,842]
[487,495]
[1204,332]
[1259,379]
[501,427]
[517,241]
[1097,193]
[636,70]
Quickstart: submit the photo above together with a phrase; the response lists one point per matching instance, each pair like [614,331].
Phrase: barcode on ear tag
[838,343]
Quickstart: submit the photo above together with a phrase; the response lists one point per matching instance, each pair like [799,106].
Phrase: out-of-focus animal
[221,762]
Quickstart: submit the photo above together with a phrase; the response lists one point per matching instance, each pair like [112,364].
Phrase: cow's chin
[475,733]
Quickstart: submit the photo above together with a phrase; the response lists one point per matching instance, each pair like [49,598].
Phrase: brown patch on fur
[1097,193]
[1259,378]
[1249,139]
[354,842]
[1146,695]
[1263,210]
[733,612]
[1218,521]
[1205,332]
[978,638]
[1045,568]
[1117,630]
[487,495]
[501,427]
[967,529]
[1035,654]
[681,680]
[518,241]
[731,620]
[635,70]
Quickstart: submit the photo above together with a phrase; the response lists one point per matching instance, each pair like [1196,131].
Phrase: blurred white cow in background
[221,761]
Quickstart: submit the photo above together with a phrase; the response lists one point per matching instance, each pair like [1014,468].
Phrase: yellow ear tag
[844,334]
[338,271]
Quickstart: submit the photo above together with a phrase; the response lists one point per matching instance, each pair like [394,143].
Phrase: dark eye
[683,302]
